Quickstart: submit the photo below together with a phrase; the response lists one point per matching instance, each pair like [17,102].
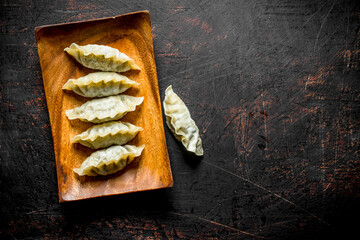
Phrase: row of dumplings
[105,110]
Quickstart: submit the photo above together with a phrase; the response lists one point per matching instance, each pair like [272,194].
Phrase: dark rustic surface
[274,89]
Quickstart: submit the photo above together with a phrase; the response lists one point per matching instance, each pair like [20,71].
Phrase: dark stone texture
[274,89]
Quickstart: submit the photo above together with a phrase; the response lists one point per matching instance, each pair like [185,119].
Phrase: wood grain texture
[131,34]
[274,89]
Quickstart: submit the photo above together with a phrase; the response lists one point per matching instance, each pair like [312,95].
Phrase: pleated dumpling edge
[181,124]
[107,134]
[99,84]
[108,161]
[106,109]
[101,57]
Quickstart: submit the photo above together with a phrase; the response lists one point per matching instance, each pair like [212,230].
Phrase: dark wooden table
[274,89]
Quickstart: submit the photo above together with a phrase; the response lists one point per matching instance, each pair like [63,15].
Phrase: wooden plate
[131,34]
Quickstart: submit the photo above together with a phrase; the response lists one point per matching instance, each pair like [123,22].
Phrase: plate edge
[38,28]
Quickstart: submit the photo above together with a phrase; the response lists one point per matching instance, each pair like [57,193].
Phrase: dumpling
[107,134]
[104,109]
[109,160]
[99,84]
[180,122]
[101,57]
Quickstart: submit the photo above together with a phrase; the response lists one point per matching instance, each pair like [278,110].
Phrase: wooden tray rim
[39,28]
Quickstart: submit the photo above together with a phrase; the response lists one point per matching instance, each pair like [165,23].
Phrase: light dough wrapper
[180,122]
[104,109]
[109,160]
[107,134]
[101,57]
[99,84]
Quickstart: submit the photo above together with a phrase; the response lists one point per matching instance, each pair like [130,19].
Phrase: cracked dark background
[274,89]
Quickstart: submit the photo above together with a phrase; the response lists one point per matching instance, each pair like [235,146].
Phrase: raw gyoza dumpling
[101,57]
[109,160]
[107,134]
[99,84]
[104,109]
[180,122]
